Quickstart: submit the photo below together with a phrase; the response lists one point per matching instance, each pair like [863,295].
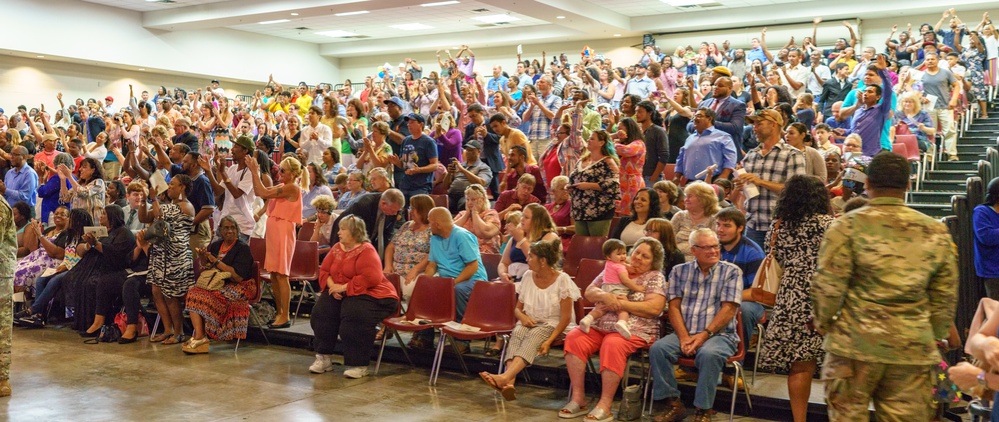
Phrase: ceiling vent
[699,6]
[356,37]
[165,1]
[302,28]
[473,10]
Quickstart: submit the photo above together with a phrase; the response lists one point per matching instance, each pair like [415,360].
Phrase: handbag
[767,281]
[108,334]
[212,279]
[631,404]
[157,232]
[121,320]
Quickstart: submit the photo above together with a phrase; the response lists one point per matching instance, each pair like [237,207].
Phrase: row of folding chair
[304,266]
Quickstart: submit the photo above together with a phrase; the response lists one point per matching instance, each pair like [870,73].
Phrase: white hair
[699,233]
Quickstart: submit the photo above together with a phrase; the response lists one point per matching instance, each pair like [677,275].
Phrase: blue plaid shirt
[702,296]
[539,125]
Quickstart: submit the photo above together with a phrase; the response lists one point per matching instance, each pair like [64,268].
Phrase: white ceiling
[537,20]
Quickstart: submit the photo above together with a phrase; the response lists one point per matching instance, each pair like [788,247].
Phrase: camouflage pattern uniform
[8,259]
[884,290]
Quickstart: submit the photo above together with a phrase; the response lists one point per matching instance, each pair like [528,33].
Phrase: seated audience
[355,188]
[379,180]
[645,308]
[136,191]
[99,291]
[355,296]
[561,210]
[49,250]
[317,187]
[544,313]
[380,212]
[701,205]
[630,228]
[331,165]
[323,204]
[661,230]
[517,198]
[479,219]
[518,164]
[222,314]
[535,224]
[47,286]
[669,197]
[406,254]
[745,254]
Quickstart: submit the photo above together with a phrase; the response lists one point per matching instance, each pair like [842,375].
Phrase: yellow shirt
[516,137]
[304,102]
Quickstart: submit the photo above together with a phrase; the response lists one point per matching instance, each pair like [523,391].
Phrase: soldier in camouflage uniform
[8,258]
[883,293]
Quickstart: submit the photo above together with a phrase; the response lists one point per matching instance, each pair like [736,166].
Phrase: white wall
[33,82]
[99,34]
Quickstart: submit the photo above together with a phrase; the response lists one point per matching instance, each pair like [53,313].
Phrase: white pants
[943,118]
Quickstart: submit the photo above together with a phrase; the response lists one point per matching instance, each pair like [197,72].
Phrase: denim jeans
[710,359]
[752,312]
[47,287]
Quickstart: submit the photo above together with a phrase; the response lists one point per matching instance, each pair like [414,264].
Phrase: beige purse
[767,281]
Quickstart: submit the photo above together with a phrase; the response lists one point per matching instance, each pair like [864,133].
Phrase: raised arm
[853,35]
[763,45]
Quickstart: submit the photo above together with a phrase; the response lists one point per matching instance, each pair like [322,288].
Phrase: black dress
[676,134]
[81,282]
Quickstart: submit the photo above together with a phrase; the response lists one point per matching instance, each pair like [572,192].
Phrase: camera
[779,63]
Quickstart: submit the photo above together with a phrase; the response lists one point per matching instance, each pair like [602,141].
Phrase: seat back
[589,269]
[308,228]
[397,284]
[257,284]
[440,200]
[491,261]
[305,262]
[900,149]
[582,247]
[911,146]
[669,171]
[579,308]
[432,299]
[490,307]
[258,248]
[197,267]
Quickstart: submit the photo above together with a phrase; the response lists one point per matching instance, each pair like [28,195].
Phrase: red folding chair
[432,301]
[490,308]
[440,200]
[308,228]
[913,155]
[253,314]
[491,261]
[304,269]
[258,248]
[582,247]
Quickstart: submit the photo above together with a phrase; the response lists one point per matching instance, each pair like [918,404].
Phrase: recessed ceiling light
[617,35]
[40,57]
[337,34]
[496,18]
[560,17]
[273,21]
[294,14]
[411,26]
[359,12]
[440,3]
[142,68]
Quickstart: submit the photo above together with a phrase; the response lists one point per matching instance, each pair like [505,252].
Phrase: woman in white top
[544,313]
[798,136]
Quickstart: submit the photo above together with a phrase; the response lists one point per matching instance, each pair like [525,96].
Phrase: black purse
[158,232]
[108,334]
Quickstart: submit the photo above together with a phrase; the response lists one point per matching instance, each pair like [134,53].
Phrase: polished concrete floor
[56,377]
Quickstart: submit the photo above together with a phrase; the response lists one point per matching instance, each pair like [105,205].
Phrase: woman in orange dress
[630,146]
[284,212]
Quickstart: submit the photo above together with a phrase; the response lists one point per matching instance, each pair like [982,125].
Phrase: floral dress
[171,264]
[36,262]
[411,248]
[976,72]
[632,160]
[597,204]
[787,339]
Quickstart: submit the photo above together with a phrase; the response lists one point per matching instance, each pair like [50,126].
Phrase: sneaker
[23,314]
[34,321]
[584,324]
[356,372]
[622,329]
[953,158]
[322,364]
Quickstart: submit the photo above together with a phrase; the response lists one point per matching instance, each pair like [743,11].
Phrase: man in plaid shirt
[540,112]
[704,296]
[767,166]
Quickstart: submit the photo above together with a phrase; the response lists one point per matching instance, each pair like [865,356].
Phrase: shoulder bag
[767,281]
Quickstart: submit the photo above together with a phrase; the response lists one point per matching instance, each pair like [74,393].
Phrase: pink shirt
[612,272]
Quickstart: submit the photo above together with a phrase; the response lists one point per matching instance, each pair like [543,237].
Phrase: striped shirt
[702,295]
[539,124]
[782,162]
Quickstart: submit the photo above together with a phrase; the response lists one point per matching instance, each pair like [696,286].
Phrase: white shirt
[991,47]
[800,74]
[543,305]
[314,148]
[239,208]
[813,84]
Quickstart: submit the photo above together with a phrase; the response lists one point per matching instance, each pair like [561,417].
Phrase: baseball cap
[766,114]
[394,100]
[474,143]
[722,70]
[108,98]
[641,66]
[245,142]
[416,116]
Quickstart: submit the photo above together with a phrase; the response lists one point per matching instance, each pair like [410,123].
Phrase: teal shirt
[452,254]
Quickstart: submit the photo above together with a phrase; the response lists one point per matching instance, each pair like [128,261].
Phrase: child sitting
[616,282]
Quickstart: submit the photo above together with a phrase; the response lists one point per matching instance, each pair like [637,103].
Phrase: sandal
[509,393]
[490,381]
[172,340]
[158,338]
[493,352]
[598,414]
[573,410]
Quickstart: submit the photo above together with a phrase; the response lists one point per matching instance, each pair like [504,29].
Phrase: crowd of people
[696,166]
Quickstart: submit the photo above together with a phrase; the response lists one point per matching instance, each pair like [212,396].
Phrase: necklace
[223,249]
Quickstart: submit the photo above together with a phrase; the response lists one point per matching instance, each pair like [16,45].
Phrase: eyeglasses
[706,247]
[323,211]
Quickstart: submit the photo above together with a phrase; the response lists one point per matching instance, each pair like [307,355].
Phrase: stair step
[933,209]
[958,175]
[945,185]
[940,197]
[957,165]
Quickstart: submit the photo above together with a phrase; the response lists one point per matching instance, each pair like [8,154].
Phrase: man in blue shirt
[417,158]
[454,253]
[870,121]
[641,85]
[706,146]
[497,83]
[21,181]
[746,255]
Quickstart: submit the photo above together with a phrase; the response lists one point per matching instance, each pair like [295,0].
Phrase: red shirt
[540,186]
[360,269]
[509,197]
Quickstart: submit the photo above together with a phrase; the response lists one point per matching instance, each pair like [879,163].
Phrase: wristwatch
[710,333]
[981,379]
